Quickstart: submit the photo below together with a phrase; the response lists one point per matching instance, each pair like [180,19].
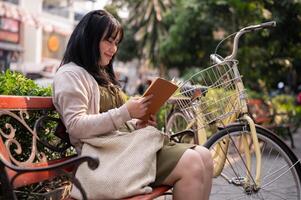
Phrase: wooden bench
[36,157]
[264,114]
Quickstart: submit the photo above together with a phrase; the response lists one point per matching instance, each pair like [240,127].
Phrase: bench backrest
[8,102]
[17,108]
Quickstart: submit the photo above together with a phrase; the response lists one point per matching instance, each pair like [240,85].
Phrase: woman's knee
[205,156]
[193,163]
[190,166]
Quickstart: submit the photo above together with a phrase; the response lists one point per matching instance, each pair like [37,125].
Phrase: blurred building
[34,33]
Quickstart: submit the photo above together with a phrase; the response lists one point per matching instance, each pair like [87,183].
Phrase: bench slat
[25,102]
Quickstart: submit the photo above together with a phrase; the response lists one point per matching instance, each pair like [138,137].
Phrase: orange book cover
[161,89]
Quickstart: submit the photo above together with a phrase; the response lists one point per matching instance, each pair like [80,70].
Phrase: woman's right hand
[137,106]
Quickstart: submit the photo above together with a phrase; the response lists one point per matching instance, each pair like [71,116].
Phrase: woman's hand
[151,122]
[137,106]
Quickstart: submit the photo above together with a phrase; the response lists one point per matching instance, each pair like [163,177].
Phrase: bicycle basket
[211,95]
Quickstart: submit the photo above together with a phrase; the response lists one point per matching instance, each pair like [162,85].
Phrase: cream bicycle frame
[219,155]
[200,117]
[220,152]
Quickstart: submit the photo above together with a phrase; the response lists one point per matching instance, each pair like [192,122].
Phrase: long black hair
[83,45]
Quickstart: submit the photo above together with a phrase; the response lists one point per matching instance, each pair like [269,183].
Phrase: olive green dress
[168,157]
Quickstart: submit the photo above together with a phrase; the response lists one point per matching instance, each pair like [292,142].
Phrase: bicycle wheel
[280,168]
[177,122]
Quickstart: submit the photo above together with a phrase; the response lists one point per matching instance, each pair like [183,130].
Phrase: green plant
[252,94]
[15,83]
[284,103]
[161,116]
[288,111]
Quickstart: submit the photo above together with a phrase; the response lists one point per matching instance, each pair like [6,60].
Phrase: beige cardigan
[76,97]
[127,160]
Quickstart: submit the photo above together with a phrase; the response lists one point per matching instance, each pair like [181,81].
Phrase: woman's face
[107,49]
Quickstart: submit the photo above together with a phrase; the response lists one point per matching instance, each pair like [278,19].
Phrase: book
[161,89]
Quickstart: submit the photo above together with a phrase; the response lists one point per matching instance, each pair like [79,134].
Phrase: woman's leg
[208,162]
[192,176]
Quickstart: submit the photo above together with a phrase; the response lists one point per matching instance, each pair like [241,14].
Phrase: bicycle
[250,161]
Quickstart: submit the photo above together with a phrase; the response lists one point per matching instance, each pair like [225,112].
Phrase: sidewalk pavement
[297,141]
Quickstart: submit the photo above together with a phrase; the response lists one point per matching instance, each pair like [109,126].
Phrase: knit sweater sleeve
[72,99]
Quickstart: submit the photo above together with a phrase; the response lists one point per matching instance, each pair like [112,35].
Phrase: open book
[161,90]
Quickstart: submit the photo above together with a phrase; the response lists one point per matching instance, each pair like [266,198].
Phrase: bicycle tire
[177,122]
[280,169]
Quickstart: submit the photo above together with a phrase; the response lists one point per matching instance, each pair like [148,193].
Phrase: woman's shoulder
[72,71]
[71,67]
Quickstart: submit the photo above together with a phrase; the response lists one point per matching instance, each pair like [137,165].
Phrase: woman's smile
[108,48]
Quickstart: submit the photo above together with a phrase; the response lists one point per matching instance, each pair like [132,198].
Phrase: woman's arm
[73,101]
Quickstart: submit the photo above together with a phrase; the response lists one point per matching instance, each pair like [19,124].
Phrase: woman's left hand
[152,121]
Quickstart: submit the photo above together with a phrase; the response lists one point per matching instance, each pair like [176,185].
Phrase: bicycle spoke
[234,161]
[275,195]
[280,175]
[244,163]
[229,164]
[271,174]
[272,164]
[277,190]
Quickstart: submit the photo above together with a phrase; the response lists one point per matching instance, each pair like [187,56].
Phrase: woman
[101,123]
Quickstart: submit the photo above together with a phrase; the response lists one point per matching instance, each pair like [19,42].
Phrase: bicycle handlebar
[260,26]
[242,31]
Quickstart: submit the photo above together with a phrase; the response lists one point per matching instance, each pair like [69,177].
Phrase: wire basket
[211,96]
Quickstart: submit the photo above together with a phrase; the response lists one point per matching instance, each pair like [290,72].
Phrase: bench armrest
[59,168]
[74,161]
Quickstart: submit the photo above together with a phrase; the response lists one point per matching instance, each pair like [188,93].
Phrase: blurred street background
[163,38]
[167,38]
[297,138]
[34,34]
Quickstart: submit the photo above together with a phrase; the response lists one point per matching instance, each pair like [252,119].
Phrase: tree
[267,56]
[146,17]
[190,36]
